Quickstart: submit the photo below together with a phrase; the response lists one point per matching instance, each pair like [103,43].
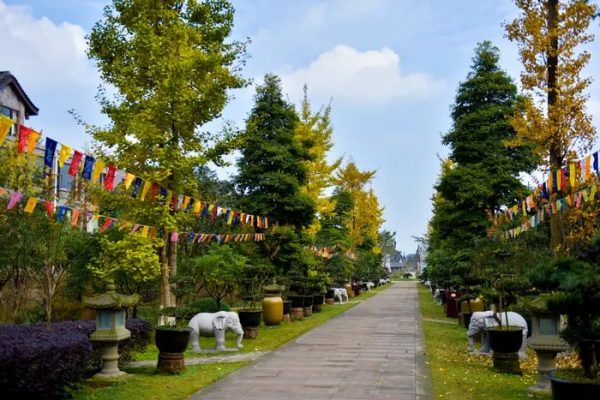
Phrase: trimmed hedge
[40,363]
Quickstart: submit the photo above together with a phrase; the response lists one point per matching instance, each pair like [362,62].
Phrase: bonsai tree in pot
[575,285]
[251,282]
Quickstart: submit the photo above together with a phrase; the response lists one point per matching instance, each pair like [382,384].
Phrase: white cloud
[372,77]
[42,53]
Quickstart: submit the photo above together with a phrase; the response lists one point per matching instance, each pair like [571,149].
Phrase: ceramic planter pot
[329,294]
[297,301]
[250,318]
[287,306]
[504,340]
[566,390]
[169,340]
[272,310]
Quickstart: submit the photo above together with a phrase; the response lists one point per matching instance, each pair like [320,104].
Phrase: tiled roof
[6,79]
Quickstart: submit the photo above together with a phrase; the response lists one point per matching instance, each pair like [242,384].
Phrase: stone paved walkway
[373,351]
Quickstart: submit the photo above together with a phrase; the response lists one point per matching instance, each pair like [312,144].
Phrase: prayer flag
[5,124]
[230,214]
[75,161]
[63,154]
[24,133]
[128,179]
[107,223]
[109,181]
[595,162]
[74,216]
[98,169]
[135,228]
[136,186]
[31,203]
[62,210]
[174,237]
[163,192]
[34,136]
[145,190]
[186,202]
[145,231]
[154,191]
[50,150]
[572,174]
[50,208]
[88,166]
[593,192]
[588,167]
[15,197]
[558,177]
[197,207]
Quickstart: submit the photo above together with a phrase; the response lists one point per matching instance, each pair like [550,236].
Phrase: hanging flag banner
[24,133]
[49,152]
[32,139]
[74,167]
[31,203]
[88,166]
[15,197]
[63,154]
[109,181]
[98,169]
[5,125]
[136,186]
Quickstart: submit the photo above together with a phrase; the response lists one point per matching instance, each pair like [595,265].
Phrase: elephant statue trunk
[215,324]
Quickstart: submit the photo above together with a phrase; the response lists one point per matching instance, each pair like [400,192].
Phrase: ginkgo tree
[551,35]
[171,65]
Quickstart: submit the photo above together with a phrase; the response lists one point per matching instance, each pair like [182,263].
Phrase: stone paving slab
[373,351]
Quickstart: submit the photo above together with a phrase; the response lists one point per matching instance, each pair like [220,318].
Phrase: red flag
[155,190]
[109,180]
[75,162]
[106,224]
[24,133]
[50,208]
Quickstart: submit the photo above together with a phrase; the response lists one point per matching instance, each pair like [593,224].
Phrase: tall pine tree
[482,173]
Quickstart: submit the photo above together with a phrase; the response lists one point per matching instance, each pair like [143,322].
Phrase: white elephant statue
[485,319]
[215,324]
[340,294]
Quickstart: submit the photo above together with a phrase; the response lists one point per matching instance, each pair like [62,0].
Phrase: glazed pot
[297,301]
[308,301]
[272,310]
[504,340]
[250,318]
[563,389]
[329,294]
[172,340]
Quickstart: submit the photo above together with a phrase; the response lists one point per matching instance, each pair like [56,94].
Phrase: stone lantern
[110,327]
[546,342]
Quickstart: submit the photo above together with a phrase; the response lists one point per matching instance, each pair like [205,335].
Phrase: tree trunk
[556,150]
[172,270]
[165,287]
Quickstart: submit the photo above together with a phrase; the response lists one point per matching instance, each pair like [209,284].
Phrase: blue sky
[390,68]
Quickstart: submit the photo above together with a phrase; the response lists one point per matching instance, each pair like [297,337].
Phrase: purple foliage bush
[40,363]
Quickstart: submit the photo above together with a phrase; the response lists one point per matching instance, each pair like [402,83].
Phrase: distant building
[16,104]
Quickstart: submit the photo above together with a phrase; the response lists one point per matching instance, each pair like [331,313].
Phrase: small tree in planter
[576,293]
[219,271]
[252,281]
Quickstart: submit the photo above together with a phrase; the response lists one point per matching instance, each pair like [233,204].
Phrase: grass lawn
[146,384]
[459,375]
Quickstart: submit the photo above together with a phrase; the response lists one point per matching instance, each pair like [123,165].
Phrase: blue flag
[88,166]
[50,150]
[136,186]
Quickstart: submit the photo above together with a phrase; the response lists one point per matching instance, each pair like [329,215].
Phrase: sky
[390,69]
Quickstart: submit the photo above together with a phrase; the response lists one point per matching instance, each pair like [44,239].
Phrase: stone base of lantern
[110,372]
[286,318]
[546,364]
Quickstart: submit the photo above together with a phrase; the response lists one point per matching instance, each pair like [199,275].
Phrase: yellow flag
[145,230]
[572,172]
[32,140]
[128,179]
[98,168]
[593,192]
[186,202]
[588,167]
[145,190]
[5,124]
[558,180]
[197,207]
[30,206]
[63,154]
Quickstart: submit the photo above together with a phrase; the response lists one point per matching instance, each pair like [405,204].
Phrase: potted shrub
[250,315]
[171,341]
[577,296]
